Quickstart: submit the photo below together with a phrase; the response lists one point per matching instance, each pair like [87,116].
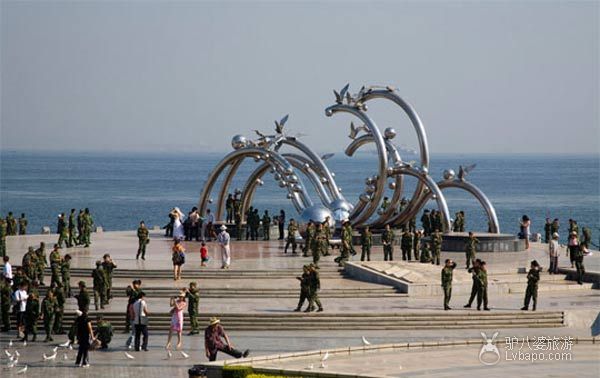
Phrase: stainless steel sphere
[317,213]
[449,174]
[277,176]
[239,141]
[282,184]
[296,188]
[365,197]
[389,133]
[293,179]
[260,182]
[392,185]
[341,204]
[370,189]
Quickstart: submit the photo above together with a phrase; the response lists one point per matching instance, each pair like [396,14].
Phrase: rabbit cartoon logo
[487,348]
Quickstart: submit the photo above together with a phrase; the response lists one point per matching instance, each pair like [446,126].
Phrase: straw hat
[214,321]
[223,227]
[555,235]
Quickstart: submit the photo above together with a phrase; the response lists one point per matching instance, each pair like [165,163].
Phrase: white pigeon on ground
[10,343]
[325,357]
[7,353]
[70,347]
[17,353]
[129,356]
[310,367]
[22,371]
[184,355]
[50,357]
[65,344]
[365,341]
[12,363]
[25,344]
[169,354]
[55,349]
[323,366]
[65,357]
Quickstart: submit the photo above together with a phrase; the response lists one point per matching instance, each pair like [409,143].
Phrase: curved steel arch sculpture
[390,165]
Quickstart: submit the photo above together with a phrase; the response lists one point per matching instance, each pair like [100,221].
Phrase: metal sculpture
[285,168]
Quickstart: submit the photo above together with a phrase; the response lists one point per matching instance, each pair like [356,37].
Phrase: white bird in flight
[129,356]
[365,341]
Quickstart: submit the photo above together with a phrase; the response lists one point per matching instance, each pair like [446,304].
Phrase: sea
[120,189]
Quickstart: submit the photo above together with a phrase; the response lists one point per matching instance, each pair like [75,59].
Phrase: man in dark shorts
[213,342]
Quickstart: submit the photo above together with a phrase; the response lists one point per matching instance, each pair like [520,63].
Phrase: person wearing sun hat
[224,243]
[553,252]
[214,335]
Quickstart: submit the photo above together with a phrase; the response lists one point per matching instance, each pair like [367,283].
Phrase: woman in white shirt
[553,250]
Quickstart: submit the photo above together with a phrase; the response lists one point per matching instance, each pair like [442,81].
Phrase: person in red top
[214,335]
[203,254]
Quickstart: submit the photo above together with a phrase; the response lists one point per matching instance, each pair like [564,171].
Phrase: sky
[179,77]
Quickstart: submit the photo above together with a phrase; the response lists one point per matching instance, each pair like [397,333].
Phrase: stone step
[552,286]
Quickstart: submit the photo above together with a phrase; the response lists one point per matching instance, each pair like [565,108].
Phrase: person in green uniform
[291,236]
[5,301]
[248,216]
[266,225]
[482,296]
[29,264]
[587,237]
[19,278]
[426,222]
[406,244]
[88,223]
[143,240]
[23,225]
[80,220]
[471,248]
[437,221]
[456,223]
[104,331]
[573,227]
[555,226]
[461,227]
[304,287]
[48,307]
[475,286]
[387,239]
[32,314]
[447,272]
[11,224]
[310,231]
[237,214]
[108,266]
[72,227]
[229,208]
[533,277]
[316,243]
[255,224]
[314,285]
[578,258]
[547,231]
[132,291]
[327,234]
[99,278]
[59,311]
[436,241]
[385,204]
[3,233]
[366,241]
[417,244]
[193,298]
[42,262]
[65,272]
[346,247]
[63,231]
[55,265]
[83,298]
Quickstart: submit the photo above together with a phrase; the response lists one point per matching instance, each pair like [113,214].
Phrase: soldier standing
[59,311]
[387,239]
[11,224]
[456,224]
[579,263]
[99,278]
[88,223]
[143,240]
[291,236]
[555,226]
[266,225]
[475,286]
[310,230]
[29,264]
[65,271]
[412,225]
[533,277]
[63,231]
[471,248]
[5,294]
[547,231]
[436,241]
[346,247]
[48,306]
[573,227]
[3,233]
[327,235]
[23,225]
[80,236]
[406,245]
[314,285]
[366,241]
[55,265]
[42,262]
[281,223]
[193,296]
[255,224]
[447,272]
[587,237]
[72,225]
[482,287]
[104,332]
[32,314]
[437,221]
[315,246]
[426,222]
[229,208]
[304,287]
[83,298]
[237,214]
[417,244]
[248,215]
[108,266]
[461,227]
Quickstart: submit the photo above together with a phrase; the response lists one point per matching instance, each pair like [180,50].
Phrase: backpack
[180,259]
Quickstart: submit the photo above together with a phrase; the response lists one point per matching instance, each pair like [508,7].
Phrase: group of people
[10,226]
[76,230]
[576,248]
